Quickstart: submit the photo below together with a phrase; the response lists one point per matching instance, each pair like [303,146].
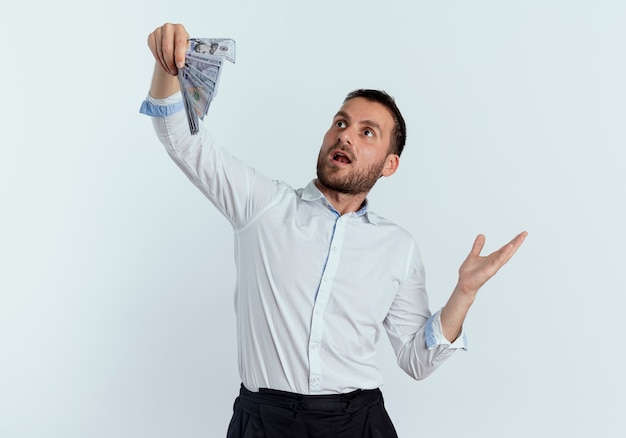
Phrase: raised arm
[168,44]
[473,273]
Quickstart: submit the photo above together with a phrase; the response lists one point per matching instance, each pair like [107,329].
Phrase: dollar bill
[197,93]
[192,115]
[223,47]
[200,77]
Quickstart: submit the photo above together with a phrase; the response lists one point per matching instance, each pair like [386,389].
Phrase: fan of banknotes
[200,77]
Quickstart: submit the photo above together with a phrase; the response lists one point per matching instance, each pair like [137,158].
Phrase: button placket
[323,294]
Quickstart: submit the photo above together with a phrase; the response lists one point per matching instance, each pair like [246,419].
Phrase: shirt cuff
[162,107]
[435,337]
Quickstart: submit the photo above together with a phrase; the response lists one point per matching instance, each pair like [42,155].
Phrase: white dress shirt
[314,288]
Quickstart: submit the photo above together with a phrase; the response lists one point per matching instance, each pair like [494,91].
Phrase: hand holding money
[192,64]
[168,44]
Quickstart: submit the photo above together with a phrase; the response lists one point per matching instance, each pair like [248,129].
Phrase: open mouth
[340,157]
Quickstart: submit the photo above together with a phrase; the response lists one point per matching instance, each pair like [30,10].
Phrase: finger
[154,42]
[505,253]
[517,241]
[166,45]
[174,46]
[479,243]
[181,42]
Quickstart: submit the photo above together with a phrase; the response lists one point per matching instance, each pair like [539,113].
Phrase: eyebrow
[371,123]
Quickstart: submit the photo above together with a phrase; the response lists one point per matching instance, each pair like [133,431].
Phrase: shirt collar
[312,193]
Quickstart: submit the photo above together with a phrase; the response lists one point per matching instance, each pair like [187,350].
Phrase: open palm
[477,269]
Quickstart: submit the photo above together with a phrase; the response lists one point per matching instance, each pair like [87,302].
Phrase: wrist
[463,296]
[163,84]
[466,290]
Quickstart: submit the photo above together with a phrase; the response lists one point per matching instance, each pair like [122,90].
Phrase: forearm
[163,84]
[454,312]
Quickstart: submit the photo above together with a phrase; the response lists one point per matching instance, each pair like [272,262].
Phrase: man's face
[355,150]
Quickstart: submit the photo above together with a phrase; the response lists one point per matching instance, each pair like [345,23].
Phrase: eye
[368,133]
[341,123]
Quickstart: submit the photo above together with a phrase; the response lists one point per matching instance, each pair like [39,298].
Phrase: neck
[342,202]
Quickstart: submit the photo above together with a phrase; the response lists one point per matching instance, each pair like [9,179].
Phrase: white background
[116,313]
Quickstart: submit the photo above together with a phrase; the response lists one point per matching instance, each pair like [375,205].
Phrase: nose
[344,137]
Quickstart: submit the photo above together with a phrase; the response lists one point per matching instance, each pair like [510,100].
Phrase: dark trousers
[279,414]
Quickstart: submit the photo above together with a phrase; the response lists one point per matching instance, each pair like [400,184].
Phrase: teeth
[338,155]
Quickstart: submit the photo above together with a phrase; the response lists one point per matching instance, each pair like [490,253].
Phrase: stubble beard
[355,183]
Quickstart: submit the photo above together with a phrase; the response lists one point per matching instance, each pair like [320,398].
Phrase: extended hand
[473,273]
[476,269]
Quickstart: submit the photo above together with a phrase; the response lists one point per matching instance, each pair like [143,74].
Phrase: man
[319,275]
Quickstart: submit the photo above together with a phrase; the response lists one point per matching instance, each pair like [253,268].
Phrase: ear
[391,165]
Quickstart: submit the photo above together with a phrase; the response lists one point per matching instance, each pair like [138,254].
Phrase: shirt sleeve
[162,107]
[415,334]
[435,337]
[237,190]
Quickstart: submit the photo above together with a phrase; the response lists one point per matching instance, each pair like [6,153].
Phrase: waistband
[332,403]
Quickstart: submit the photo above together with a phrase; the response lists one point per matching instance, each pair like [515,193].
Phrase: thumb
[479,243]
